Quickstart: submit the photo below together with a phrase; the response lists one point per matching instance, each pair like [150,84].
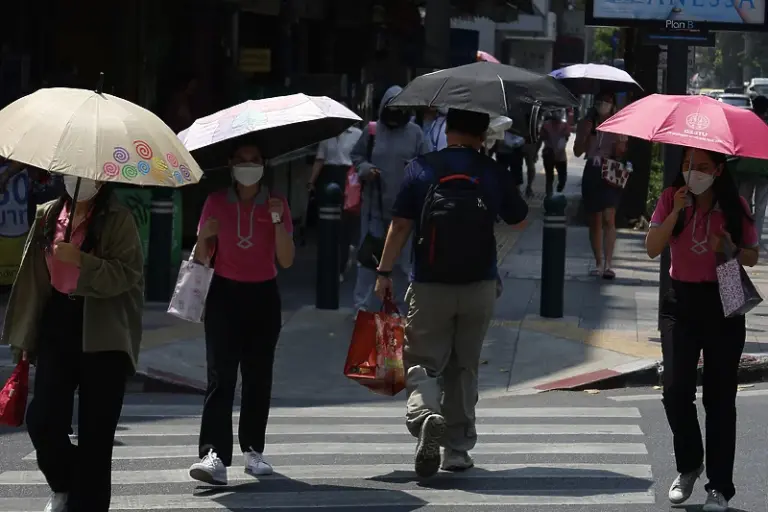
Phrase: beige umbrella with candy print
[92,135]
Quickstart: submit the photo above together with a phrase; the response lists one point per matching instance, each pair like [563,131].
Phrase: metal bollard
[328,234]
[553,257]
[160,278]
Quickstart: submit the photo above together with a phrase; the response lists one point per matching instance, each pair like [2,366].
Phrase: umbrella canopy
[693,121]
[483,87]
[96,136]
[276,125]
[486,57]
[595,78]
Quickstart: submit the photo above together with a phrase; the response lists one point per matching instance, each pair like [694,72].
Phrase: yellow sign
[255,60]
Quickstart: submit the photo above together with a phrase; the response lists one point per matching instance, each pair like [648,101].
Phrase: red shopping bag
[13,397]
[353,192]
[375,357]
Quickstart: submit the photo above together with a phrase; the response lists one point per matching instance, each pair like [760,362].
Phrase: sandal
[609,274]
[595,270]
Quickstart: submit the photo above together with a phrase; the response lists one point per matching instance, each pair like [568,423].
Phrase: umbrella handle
[68,231]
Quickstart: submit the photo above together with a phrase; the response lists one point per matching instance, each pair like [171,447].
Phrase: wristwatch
[383,273]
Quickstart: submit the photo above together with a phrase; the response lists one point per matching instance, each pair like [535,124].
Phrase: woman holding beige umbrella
[76,305]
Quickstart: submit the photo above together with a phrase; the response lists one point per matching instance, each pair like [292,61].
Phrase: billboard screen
[679,14]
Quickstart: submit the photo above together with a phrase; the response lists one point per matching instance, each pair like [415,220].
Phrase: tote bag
[738,294]
[188,301]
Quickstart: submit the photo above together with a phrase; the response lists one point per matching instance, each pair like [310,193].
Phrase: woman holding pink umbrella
[702,219]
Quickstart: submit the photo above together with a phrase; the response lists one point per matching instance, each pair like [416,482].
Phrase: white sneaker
[255,465]
[57,503]
[210,470]
[682,487]
[716,502]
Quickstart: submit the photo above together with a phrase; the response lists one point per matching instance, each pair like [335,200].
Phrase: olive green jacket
[111,280]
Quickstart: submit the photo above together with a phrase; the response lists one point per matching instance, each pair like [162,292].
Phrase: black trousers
[242,325]
[84,471]
[550,165]
[691,321]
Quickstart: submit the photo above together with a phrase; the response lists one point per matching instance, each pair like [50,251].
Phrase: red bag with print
[353,192]
[13,397]
[375,357]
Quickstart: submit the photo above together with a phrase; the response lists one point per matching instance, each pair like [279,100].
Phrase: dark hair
[726,195]
[760,105]
[466,122]
[95,224]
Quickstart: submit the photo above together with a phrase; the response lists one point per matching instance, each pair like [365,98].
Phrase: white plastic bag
[188,301]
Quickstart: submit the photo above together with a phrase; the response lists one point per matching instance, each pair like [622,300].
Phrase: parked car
[757,87]
[737,100]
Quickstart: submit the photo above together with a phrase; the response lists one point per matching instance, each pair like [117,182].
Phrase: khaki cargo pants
[444,335]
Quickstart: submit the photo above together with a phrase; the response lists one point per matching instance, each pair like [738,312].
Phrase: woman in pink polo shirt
[698,217]
[245,229]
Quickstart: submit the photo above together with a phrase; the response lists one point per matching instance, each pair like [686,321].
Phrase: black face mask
[394,118]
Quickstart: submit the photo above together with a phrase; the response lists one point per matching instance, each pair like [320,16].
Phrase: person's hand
[373,174]
[276,206]
[720,241]
[210,229]
[681,198]
[383,287]
[310,186]
[67,253]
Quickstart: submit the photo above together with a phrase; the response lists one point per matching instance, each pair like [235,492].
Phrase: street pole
[160,277]
[677,83]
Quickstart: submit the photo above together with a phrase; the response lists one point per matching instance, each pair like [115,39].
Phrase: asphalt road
[560,452]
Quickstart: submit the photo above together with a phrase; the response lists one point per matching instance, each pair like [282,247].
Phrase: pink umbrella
[486,57]
[694,121]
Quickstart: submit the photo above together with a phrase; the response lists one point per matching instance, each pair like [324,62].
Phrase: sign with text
[679,15]
[14,225]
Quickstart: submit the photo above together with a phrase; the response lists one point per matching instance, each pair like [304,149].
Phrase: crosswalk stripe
[189,411]
[351,499]
[177,452]
[382,472]
[128,430]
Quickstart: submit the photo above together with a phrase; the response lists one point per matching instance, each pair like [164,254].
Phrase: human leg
[722,354]
[609,240]
[476,305]
[103,376]
[562,174]
[680,349]
[257,362]
[429,334]
[761,203]
[222,360]
[549,172]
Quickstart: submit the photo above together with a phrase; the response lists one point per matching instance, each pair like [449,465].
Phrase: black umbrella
[484,87]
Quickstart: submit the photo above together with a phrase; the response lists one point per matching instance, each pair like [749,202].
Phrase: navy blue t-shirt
[499,189]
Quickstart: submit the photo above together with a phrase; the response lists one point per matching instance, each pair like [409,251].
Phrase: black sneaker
[427,461]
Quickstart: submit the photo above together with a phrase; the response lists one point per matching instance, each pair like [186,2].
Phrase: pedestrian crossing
[346,457]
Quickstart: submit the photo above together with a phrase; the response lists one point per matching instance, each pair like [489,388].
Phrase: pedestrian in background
[699,217]
[76,311]
[332,163]
[453,285]
[396,141]
[600,198]
[434,130]
[554,136]
[243,230]
[751,175]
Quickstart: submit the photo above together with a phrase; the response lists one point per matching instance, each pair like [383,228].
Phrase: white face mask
[88,188]
[698,182]
[603,108]
[248,174]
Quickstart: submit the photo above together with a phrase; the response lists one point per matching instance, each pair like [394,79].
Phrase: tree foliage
[602,51]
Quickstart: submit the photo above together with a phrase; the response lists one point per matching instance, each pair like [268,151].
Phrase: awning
[500,11]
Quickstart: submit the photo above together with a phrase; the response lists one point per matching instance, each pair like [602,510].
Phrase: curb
[753,368]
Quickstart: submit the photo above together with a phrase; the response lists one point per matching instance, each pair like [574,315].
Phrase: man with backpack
[450,199]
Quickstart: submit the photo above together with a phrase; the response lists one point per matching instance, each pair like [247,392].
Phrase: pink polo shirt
[245,248]
[693,260]
[64,276]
